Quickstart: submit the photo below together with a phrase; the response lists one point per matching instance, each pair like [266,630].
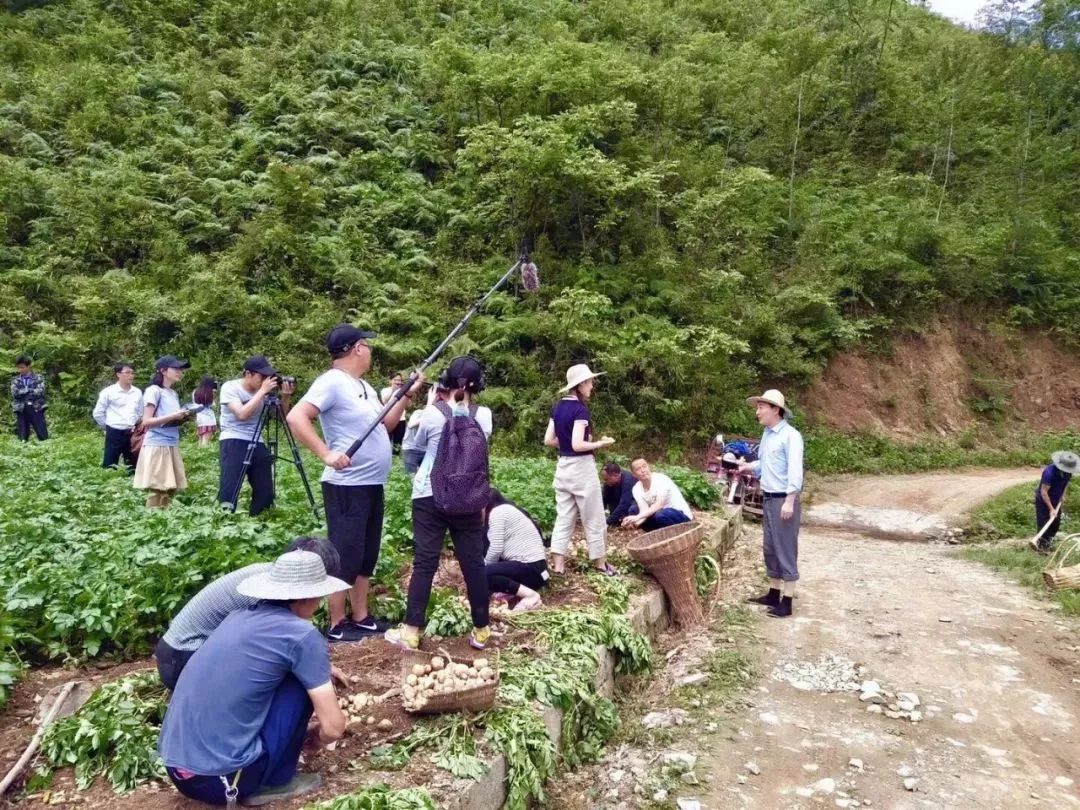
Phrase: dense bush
[715,191]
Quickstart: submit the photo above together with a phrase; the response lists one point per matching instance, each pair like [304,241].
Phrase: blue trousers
[282,738]
[665,517]
[1042,515]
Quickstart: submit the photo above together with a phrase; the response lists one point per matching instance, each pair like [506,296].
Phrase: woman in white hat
[1050,497]
[239,715]
[577,486]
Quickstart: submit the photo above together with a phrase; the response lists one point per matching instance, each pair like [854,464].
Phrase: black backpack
[459,475]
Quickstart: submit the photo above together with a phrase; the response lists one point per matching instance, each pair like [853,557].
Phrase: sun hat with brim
[1067,461]
[294,575]
[771,397]
[576,375]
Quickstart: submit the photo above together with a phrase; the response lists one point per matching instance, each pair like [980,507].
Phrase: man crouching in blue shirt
[239,715]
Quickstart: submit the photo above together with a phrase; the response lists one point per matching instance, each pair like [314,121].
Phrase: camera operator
[241,403]
[345,406]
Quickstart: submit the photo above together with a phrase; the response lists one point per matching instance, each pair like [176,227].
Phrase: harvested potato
[411,680]
[437,663]
[418,669]
[480,663]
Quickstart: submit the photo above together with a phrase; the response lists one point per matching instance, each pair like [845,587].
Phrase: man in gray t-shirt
[242,401]
[345,406]
[208,608]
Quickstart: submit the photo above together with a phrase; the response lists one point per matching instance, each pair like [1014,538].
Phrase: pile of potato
[355,708]
[441,677]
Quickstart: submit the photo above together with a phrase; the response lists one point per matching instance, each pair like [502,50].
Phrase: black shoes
[770,599]
[352,630]
[783,610]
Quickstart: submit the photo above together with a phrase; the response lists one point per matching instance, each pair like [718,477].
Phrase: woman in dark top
[1050,497]
[577,487]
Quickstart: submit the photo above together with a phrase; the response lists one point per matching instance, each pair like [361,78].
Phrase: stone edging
[648,613]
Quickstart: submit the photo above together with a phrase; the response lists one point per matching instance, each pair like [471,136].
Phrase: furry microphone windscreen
[530,277]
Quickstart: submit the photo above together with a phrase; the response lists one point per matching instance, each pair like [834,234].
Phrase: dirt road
[995,672]
[907,506]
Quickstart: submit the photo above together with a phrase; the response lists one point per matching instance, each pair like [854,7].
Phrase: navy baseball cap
[258,364]
[170,361]
[343,336]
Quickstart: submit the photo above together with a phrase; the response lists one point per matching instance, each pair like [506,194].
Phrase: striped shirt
[512,536]
[208,608]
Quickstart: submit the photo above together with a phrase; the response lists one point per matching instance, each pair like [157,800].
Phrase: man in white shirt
[780,468]
[241,405]
[345,406]
[117,411]
[659,501]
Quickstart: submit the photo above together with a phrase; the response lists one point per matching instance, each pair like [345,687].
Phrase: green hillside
[718,192]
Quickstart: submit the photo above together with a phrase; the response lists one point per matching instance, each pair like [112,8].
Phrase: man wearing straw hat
[238,718]
[1050,497]
[780,468]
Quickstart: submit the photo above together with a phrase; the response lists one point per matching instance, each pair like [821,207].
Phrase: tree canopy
[718,193]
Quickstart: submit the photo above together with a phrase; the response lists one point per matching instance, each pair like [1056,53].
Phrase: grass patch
[831,453]
[1026,567]
[992,530]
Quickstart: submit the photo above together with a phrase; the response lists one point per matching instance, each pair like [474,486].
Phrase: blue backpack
[459,475]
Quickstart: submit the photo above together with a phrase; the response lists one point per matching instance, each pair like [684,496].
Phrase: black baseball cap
[343,336]
[260,365]
[170,361]
[463,368]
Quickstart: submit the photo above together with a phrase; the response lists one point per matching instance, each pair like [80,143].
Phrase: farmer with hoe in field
[1050,497]
[207,609]
[345,406]
[28,401]
[618,493]
[117,411]
[660,502]
[238,718]
[780,468]
[241,405]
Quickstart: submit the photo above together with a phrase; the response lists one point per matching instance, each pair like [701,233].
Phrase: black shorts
[354,519]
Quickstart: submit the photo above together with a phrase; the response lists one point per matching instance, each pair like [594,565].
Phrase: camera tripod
[273,412]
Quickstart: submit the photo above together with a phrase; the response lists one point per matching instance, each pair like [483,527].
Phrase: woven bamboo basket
[1061,577]
[669,555]
[461,700]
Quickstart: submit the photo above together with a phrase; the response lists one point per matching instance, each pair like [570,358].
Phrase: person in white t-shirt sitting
[659,501]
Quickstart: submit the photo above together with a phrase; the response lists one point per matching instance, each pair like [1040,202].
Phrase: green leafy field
[85,570]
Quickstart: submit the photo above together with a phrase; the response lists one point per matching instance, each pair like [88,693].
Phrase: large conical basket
[669,555]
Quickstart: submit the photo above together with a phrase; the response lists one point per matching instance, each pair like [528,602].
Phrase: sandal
[608,570]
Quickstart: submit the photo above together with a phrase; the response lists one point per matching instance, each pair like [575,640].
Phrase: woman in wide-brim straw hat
[577,485]
[238,717]
[160,468]
[1050,497]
